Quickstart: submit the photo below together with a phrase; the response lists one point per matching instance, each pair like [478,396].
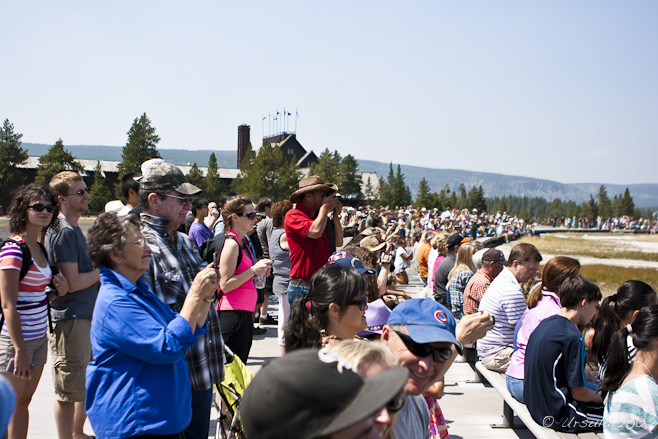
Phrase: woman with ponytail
[543,301]
[332,310]
[631,404]
[616,312]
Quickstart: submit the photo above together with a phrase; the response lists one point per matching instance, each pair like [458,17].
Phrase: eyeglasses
[439,355]
[250,215]
[531,269]
[362,303]
[140,242]
[395,404]
[38,207]
[185,200]
[80,192]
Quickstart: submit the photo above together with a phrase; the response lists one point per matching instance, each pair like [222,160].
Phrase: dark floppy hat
[162,176]
[310,393]
[310,184]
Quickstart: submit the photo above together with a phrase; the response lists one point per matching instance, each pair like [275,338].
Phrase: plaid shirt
[475,289]
[170,275]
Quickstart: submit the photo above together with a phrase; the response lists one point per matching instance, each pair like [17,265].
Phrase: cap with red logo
[426,321]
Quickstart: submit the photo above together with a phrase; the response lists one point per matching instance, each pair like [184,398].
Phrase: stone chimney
[243,142]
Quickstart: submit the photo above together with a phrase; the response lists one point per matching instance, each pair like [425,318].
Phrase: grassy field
[639,247]
[609,278]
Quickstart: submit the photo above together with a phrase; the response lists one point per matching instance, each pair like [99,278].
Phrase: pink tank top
[244,297]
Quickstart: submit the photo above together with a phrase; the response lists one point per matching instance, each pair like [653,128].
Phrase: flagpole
[296,118]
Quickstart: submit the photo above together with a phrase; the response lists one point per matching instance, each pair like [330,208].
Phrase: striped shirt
[504,300]
[32,304]
[631,410]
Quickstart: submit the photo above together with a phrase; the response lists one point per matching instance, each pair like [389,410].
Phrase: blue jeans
[515,387]
[295,292]
[200,423]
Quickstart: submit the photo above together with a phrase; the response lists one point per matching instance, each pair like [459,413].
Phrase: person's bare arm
[436,389]
[229,281]
[338,229]
[195,308]
[473,327]
[9,280]
[585,394]
[320,223]
[77,281]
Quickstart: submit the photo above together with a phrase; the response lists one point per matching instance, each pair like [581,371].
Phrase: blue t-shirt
[554,364]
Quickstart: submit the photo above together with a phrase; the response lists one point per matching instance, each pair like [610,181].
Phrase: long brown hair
[555,271]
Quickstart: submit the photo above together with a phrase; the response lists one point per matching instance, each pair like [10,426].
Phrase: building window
[290,151]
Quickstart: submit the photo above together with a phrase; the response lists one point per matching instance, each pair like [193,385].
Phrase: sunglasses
[38,207]
[249,216]
[80,192]
[395,404]
[185,200]
[362,303]
[439,355]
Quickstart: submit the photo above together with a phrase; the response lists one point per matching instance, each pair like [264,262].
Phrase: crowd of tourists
[143,315]
[647,225]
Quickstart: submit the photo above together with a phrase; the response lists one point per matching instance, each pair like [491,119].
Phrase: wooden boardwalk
[469,408]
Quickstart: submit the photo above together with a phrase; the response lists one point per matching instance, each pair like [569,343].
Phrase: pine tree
[195,177]
[502,206]
[141,146]
[11,156]
[462,199]
[99,193]
[56,160]
[626,205]
[401,194]
[422,198]
[370,194]
[605,206]
[327,167]
[349,181]
[476,199]
[268,173]
[386,188]
[212,185]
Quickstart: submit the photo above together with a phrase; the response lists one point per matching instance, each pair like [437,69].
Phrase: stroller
[236,379]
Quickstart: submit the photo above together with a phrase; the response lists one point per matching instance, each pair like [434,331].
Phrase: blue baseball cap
[352,261]
[426,321]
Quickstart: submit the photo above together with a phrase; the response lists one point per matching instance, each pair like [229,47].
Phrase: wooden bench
[511,407]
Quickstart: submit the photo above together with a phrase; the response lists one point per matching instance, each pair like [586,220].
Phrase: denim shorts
[295,292]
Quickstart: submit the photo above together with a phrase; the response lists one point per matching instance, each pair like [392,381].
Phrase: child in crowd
[631,405]
[555,390]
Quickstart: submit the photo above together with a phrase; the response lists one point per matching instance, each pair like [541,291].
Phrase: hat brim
[375,248]
[376,392]
[432,334]
[187,189]
[346,241]
[314,187]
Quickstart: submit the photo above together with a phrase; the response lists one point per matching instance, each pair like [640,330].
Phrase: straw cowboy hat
[310,184]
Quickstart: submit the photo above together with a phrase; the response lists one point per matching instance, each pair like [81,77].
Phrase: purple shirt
[199,233]
[549,305]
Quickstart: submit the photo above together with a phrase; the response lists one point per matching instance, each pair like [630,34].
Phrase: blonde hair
[362,354]
[464,261]
[60,183]
[439,240]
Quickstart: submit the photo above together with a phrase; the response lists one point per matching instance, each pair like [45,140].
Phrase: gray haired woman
[138,342]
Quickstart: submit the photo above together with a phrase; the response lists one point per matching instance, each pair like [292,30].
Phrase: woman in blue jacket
[138,383]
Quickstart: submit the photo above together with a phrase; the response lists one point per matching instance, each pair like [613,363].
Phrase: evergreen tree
[422,198]
[605,206]
[476,199]
[370,193]
[195,176]
[462,199]
[212,185]
[591,209]
[327,167]
[11,156]
[401,195]
[452,200]
[349,179]
[626,205]
[268,173]
[502,206]
[99,193]
[141,146]
[616,207]
[387,187]
[56,160]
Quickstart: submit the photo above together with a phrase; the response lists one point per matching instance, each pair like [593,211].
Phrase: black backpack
[27,263]
[213,246]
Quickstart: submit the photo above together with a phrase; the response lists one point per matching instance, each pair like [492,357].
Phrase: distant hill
[644,195]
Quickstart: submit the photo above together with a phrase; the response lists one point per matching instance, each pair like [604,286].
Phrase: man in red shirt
[308,230]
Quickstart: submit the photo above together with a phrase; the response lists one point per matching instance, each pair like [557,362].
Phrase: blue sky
[561,90]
